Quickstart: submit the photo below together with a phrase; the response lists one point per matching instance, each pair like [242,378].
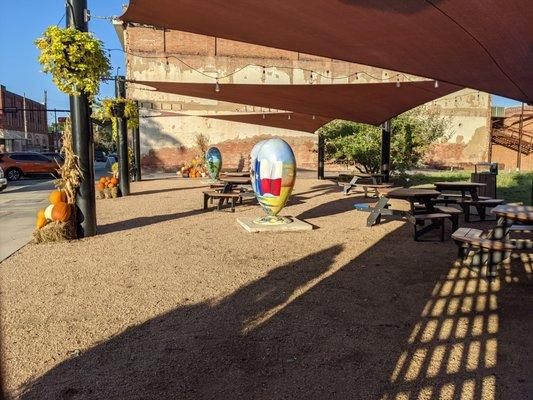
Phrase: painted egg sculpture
[273,174]
[213,159]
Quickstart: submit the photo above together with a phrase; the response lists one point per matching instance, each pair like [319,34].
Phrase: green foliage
[360,145]
[102,111]
[75,59]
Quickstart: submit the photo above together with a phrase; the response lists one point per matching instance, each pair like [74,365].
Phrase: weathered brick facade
[22,130]
[152,54]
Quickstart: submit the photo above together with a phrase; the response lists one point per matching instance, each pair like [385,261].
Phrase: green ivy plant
[104,112]
[75,59]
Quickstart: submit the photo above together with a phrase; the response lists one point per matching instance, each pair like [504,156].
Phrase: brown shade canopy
[482,44]
[370,103]
[292,121]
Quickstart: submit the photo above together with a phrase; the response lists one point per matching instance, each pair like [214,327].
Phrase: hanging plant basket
[117,109]
[75,59]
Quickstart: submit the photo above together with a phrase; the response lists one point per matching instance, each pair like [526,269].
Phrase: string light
[263,116]
[398,81]
[217,86]
[288,116]
[436,84]
[263,76]
[313,117]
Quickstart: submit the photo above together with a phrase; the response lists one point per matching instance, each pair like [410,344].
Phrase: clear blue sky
[22,21]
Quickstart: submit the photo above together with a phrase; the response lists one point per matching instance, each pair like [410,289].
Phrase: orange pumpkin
[100,186]
[102,179]
[41,220]
[57,196]
[61,212]
[114,181]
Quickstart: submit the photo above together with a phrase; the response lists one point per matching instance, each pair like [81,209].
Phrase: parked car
[99,155]
[3,180]
[55,156]
[18,164]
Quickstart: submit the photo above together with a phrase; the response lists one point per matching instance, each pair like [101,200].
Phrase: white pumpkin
[48,212]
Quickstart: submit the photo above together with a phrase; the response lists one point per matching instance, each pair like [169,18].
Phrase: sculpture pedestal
[295,225]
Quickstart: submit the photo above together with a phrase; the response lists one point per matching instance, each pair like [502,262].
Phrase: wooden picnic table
[496,245]
[230,181]
[377,179]
[413,195]
[463,187]
[242,174]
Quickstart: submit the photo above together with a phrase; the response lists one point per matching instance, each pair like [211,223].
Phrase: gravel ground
[171,302]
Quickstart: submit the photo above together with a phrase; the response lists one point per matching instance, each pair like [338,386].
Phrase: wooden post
[82,136]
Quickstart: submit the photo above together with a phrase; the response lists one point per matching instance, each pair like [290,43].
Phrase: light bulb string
[312,72]
[138,87]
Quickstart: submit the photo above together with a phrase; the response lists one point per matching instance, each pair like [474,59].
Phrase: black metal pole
[122,127]
[137,151]
[320,156]
[82,137]
[385,150]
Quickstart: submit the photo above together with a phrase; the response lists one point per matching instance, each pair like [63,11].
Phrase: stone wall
[168,141]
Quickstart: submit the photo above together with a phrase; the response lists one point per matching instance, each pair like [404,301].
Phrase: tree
[360,145]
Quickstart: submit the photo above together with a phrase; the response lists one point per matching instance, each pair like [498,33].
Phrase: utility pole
[385,150]
[123,170]
[137,149]
[520,131]
[320,156]
[82,135]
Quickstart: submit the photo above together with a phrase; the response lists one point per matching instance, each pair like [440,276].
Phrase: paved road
[19,204]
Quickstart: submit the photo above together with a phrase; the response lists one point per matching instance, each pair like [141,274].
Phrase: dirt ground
[171,302]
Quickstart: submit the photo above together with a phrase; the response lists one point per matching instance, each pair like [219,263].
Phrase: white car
[3,180]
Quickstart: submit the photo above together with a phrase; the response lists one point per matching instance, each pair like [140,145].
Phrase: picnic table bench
[377,179]
[492,247]
[231,197]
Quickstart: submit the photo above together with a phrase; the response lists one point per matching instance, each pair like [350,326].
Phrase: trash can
[486,173]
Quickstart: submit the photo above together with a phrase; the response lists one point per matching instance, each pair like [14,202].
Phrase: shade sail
[292,121]
[481,44]
[370,103]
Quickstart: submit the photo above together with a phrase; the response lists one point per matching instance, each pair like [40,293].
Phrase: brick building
[22,130]
[162,54]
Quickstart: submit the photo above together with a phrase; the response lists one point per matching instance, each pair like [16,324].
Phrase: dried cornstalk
[70,172]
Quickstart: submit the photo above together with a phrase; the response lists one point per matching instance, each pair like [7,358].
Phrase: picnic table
[243,174]
[413,196]
[377,181]
[226,193]
[473,200]
[463,187]
[493,247]
[230,181]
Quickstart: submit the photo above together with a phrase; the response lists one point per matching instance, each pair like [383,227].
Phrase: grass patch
[511,186]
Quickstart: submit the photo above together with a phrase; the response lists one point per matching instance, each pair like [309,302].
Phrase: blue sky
[22,21]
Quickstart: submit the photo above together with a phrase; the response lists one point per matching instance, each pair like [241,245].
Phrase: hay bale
[114,192]
[100,194]
[55,231]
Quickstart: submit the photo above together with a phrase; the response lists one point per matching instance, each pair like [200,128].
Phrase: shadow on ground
[309,330]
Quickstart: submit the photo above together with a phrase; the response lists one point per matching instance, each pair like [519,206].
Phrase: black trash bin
[486,173]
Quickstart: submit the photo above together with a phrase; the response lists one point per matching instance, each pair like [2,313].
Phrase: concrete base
[295,226]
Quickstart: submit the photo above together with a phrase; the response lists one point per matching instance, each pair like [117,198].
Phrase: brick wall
[169,138]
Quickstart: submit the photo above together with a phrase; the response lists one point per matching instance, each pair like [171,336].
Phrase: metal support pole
[320,157]
[122,127]
[520,132]
[385,150]
[137,151]
[82,137]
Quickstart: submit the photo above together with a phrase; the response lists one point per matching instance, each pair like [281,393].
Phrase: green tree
[360,145]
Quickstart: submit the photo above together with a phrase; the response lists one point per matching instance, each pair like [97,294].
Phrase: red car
[17,165]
